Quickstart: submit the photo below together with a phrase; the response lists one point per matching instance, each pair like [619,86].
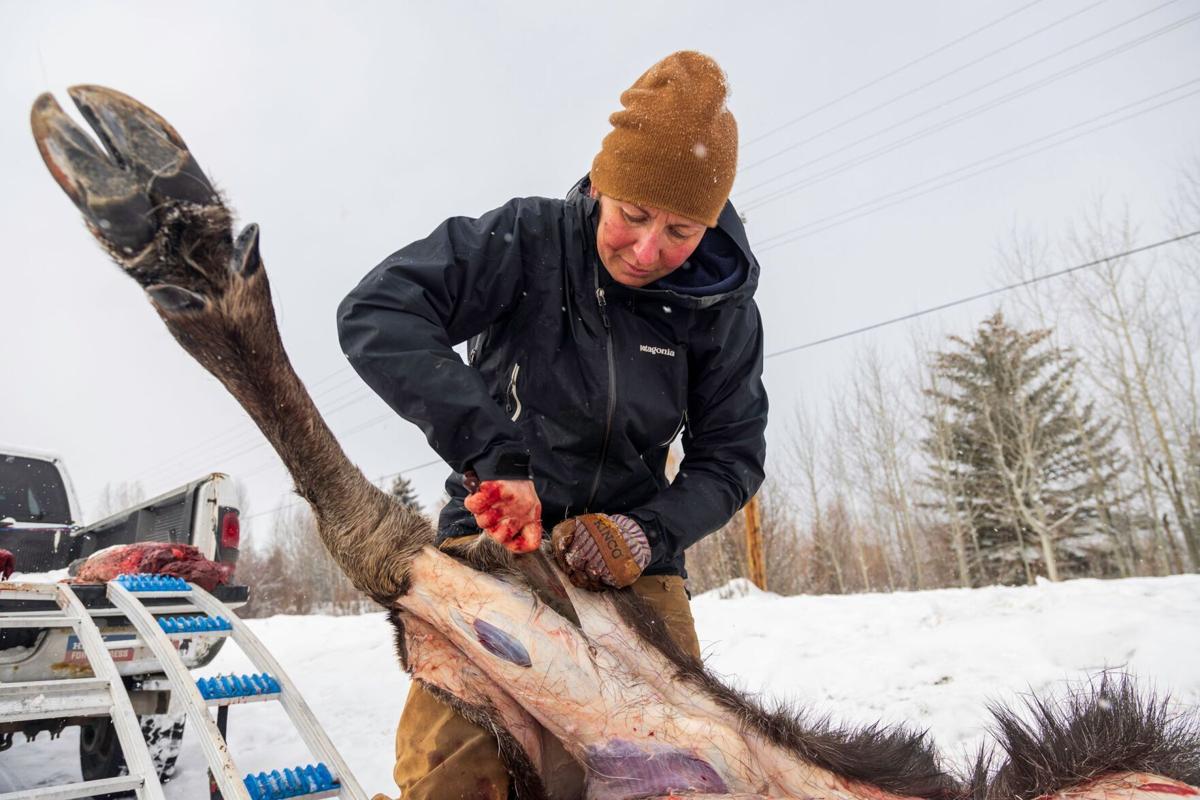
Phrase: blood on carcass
[155,558]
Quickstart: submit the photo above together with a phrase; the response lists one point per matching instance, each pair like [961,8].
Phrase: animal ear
[171,298]
[245,260]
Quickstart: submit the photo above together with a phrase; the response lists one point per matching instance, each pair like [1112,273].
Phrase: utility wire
[389,416]
[981,295]
[274,462]
[987,106]
[233,435]
[931,82]
[378,480]
[243,434]
[262,442]
[885,76]
[253,433]
[876,204]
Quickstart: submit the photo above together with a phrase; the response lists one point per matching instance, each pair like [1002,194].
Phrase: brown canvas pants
[441,756]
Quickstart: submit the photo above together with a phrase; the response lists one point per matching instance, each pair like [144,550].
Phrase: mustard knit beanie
[674,146]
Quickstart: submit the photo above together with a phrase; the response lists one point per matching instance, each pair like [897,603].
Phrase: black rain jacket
[572,379]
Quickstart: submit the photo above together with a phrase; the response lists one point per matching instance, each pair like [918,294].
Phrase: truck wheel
[100,752]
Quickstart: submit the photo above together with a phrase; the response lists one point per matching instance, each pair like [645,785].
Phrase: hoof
[144,164]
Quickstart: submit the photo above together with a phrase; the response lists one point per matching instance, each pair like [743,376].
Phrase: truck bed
[42,654]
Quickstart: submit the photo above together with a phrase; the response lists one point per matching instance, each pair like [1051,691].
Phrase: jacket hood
[721,270]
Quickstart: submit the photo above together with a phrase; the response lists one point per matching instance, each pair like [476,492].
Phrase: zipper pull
[603,307]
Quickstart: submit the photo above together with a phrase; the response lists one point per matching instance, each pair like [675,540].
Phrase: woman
[600,327]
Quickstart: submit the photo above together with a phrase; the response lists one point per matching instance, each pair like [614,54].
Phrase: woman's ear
[593,193]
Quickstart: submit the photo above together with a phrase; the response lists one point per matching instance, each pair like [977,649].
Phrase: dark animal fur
[1104,728]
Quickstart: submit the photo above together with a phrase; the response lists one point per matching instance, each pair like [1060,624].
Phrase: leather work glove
[601,550]
[509,512]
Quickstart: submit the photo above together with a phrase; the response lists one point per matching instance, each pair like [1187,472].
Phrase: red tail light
[231,529]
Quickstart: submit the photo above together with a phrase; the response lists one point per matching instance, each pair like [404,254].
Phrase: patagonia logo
[657,351]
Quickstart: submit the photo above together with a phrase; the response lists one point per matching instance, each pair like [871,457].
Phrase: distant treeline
[1060,439]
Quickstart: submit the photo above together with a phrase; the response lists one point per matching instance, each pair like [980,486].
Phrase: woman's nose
[646,248]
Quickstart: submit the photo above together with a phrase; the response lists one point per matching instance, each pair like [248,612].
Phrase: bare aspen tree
[716,560]
[292,572]
[782,542]
[805,440]
[945,479]
[838,472]
[863,486]
[119,496]
[1136,321]
[878,409]
[1127,303]
[1023,257]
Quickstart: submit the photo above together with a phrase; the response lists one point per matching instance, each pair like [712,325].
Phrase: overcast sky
[348,130]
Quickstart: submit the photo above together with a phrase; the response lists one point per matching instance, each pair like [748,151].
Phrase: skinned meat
[156,558]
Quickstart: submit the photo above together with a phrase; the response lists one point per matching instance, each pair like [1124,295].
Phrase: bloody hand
[509,512]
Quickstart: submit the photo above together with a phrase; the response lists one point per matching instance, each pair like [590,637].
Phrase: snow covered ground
[933,659]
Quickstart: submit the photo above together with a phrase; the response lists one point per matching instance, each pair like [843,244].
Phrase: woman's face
[640,244]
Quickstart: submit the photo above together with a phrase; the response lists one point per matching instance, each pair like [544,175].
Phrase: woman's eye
[632,220]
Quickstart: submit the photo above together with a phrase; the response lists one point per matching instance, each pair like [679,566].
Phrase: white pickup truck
[40,524]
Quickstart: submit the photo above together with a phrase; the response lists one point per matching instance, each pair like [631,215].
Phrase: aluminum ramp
[270,684]
[101,695]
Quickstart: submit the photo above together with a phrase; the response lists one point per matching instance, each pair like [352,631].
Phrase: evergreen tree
[1029,469]
[402,489]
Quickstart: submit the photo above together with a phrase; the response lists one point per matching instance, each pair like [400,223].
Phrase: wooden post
[754,545]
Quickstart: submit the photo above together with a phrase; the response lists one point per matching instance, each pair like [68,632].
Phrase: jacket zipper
[512,392]
[612,389]
[678,428]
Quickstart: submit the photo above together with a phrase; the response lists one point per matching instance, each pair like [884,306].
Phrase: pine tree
[1030,469]
[402,489]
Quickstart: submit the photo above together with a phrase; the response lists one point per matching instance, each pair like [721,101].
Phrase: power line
[378,480]
[929,83]
[876,205]
[246,437]
[233,435]
[345,434]
[981,295]
[239,435]
[885,76]
[961,117]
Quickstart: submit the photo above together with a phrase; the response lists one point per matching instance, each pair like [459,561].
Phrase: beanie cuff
[685,191]
[674,144]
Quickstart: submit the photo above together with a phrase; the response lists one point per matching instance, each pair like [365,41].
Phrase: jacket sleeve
[399,325]
[724,441]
